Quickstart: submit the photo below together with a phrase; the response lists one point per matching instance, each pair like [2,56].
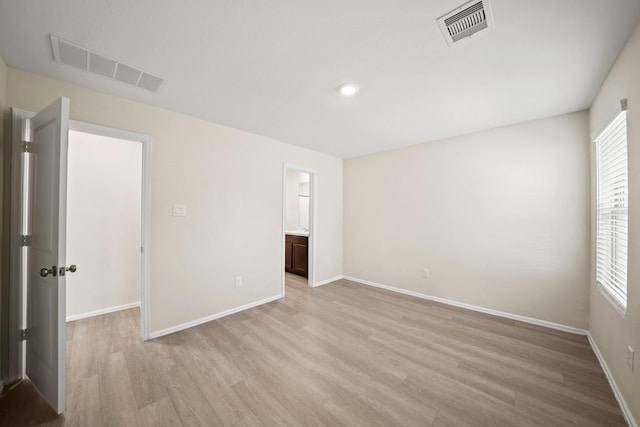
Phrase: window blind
[612,211]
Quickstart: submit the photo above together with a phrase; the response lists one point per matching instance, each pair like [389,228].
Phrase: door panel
[299,259]
[46,310]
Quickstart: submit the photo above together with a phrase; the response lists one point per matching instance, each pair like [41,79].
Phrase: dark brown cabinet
[296,254]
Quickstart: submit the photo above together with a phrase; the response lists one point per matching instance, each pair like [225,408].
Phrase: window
[612,207]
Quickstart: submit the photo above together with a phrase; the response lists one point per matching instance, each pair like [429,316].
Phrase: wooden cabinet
[296,255]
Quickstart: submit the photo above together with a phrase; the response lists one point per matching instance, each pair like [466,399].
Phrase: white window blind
[612,218]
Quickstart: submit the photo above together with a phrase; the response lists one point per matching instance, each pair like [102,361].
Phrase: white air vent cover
[102,65]
[466,20]
[76,56]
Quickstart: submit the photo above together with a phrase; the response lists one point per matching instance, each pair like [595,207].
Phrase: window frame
[610,272]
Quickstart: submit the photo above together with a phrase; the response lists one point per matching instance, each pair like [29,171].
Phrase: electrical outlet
[630,356]
[425,273]
[238,281]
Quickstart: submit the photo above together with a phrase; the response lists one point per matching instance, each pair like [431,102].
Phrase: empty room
[328,213]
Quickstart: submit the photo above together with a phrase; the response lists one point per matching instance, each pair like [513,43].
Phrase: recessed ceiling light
[348,89]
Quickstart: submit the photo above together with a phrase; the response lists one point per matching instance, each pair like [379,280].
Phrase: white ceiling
[271,67]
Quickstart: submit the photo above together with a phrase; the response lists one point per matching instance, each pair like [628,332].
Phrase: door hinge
[27,146]
[25,334]
[25,240]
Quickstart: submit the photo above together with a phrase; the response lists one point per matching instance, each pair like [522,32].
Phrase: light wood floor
[342,354]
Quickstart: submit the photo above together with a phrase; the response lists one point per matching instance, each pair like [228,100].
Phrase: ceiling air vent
[465,21]
[76,56]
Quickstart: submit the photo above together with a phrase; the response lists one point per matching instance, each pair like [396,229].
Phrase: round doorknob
[44,272]
[72,268]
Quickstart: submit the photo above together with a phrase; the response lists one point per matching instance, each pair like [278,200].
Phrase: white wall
[103,222]
[231,183]
[500,218]
[294,178]
[611,331]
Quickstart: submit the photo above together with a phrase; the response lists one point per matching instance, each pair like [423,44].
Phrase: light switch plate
[179,210]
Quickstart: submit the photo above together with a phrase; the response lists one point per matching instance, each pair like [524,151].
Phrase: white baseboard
[206,319]
[511,316]
[614,386]
[326,282]
[102,311]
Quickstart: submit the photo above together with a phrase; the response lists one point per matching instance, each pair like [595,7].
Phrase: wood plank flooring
[340,355]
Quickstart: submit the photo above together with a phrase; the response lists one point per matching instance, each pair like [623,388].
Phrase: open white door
[47,133]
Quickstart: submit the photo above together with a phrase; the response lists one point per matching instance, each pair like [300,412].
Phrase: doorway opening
[134,226]
[38,236]
[298,221]
[24,166]
[104,224]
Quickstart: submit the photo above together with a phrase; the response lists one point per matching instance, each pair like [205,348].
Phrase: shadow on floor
[22,405]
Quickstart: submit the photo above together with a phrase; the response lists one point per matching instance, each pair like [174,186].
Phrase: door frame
[17,313]
[312,220]
[145,238]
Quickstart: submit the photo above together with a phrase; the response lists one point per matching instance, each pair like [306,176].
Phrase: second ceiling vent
[466,20]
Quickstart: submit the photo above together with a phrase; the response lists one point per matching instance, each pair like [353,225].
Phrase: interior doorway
[38,263]
[139,147]
[104,223]
[298,224]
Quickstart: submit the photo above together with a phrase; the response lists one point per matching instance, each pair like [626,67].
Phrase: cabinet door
[299,259]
